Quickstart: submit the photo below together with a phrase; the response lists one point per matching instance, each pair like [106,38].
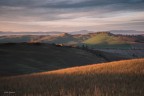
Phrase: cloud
[91,3]
[71,13]
[70,3]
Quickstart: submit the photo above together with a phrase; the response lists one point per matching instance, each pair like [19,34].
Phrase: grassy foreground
[121,78]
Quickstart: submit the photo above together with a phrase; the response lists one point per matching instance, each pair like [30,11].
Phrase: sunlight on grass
[121,78]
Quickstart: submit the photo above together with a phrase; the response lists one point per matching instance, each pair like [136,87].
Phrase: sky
[71,15]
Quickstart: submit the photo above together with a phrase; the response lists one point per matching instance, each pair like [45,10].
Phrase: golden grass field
[119,78]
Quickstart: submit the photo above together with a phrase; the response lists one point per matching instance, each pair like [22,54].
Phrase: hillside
[28,58]
[64,38]
[108,38]
[121,78]
[90,38]
[93,40]
[21,58]
[15,39]
[134,66]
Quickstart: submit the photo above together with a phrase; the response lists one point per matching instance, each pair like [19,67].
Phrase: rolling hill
[15,39]
[22,58]
[29,58]
[94,40]
[121,78]
[108,38]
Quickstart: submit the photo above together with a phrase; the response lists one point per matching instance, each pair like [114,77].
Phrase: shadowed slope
[31,58]
[24,58]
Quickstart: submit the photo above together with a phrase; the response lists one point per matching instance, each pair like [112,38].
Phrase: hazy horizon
[122,32]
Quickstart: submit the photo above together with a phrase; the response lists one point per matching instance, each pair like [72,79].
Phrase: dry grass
[122,78]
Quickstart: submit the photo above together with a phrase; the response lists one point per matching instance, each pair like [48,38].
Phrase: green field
[106,40]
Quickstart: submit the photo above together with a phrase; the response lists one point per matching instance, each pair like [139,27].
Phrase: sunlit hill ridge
[122,78]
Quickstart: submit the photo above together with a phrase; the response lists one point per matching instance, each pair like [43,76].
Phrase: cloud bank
[70,15]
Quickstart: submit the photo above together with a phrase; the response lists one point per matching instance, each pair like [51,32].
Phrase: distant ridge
[105,39]
[30,33]
[127,32]
[82,32]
